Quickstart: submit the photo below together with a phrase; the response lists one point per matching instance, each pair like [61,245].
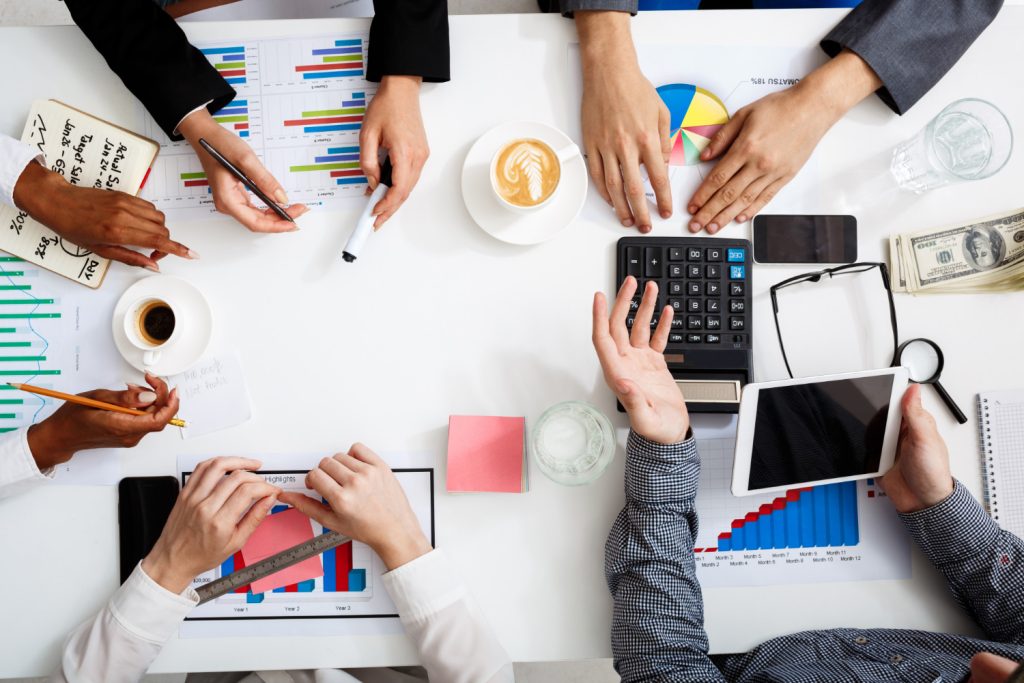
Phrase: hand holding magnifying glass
[923,359]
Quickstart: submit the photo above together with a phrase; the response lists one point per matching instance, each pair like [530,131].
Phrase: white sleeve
[18,469]
[119,643]
[14,157]
[454,640]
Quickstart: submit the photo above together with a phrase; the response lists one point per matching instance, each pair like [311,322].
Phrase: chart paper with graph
[45,321]
[835,532]
[350,587]
[300,106]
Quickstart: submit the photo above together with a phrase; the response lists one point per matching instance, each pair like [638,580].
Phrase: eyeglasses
[848,269]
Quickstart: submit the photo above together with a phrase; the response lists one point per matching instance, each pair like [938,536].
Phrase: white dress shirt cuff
[204,105]
[18,469]
[148,610]
[425,586]
[14,157]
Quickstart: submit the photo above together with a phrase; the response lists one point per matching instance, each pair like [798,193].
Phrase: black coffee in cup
[156,322]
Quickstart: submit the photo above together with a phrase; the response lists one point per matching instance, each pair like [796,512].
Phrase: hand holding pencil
[75,427]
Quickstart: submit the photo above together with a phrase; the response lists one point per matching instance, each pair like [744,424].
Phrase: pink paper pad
[279,532]
[485,454]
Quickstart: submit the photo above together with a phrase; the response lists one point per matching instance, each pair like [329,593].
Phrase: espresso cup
[526,173]
[153,324]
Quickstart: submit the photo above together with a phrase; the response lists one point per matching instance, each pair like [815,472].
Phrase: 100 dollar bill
[960,257]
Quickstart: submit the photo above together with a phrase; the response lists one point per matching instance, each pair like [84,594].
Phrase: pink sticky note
[278,532]
[485,454]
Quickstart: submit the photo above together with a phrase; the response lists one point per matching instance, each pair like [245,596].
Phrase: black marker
[249,184]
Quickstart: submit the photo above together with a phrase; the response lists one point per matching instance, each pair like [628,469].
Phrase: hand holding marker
[364,225]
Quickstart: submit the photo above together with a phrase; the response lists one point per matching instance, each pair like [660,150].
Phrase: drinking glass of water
[969,140]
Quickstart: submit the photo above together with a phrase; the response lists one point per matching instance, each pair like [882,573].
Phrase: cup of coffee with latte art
[151,324]
[526,173]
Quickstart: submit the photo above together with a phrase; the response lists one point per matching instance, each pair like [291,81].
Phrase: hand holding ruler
[274,563]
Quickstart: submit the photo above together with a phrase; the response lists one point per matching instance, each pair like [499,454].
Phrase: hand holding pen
[229,189]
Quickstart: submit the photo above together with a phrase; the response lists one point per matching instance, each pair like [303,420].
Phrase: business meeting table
[438,318]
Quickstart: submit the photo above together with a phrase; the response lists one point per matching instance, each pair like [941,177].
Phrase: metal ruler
[274,563]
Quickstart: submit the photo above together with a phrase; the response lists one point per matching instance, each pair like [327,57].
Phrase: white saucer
[186,351]
[522,228]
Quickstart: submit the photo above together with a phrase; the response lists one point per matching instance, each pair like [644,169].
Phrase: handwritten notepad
[213,393]
[1001,427]
[486,454]
[88,152]
[277,532]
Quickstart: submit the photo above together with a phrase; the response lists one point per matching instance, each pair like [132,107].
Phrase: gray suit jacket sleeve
[567,7]
[910,44]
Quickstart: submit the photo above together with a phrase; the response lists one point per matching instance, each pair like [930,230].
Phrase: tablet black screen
[825,430]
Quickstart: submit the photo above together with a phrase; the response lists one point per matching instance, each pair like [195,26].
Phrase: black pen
[233,170]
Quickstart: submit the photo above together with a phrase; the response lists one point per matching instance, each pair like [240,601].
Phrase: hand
[76,428]
[989,668]
[212,519]
[920,477]
[625,123]
[634,365]
[768,141]
[366,503]
[229,194]
[393,121]
[104,221]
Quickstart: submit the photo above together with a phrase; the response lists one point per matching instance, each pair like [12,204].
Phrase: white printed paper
[213,394]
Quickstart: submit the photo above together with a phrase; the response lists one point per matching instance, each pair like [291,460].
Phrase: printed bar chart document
[300,106]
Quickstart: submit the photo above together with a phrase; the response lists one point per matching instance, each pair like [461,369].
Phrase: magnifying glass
[923,360]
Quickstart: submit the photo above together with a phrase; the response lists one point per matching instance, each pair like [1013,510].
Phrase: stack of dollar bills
[984,256]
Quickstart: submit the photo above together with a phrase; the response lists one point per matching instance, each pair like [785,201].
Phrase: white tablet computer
[803,432]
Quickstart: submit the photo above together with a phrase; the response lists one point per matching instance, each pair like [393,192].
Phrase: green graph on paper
[29,320]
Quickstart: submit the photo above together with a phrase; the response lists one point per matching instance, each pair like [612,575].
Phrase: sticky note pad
[280,531]
[486,454]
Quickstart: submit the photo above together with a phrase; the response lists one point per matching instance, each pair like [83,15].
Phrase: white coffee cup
[152,341]
[561,156]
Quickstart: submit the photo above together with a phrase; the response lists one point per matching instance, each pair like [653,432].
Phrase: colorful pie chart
[694,116]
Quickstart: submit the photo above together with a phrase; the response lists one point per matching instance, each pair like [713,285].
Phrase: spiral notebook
[1001,427]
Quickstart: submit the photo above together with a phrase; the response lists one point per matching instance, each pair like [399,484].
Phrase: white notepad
[88,152]
[1001,426]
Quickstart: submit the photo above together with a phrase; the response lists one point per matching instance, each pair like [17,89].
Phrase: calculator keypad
[704,283]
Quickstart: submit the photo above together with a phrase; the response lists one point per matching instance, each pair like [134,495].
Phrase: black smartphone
[805,239]
[143,506]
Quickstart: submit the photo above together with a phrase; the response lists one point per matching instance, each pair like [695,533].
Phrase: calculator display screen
[823,430]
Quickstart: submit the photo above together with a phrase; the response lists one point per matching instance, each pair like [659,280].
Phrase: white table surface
[439,319]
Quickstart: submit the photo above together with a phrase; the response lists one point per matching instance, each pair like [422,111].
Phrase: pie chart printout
[695,115]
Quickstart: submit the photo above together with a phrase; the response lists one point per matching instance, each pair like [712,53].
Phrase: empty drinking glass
[969,140]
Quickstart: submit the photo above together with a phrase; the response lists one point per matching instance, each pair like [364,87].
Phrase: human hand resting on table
[634,365]
[768,141]
[365,502]
[393,122]
[229,194]
[625,123]
[74,428]
[216,512]
[106,222]
[920,476]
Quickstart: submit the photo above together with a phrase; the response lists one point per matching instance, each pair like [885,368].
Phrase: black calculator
[707,281]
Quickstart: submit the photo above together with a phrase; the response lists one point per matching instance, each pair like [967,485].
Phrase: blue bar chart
[820,517]
[833,532]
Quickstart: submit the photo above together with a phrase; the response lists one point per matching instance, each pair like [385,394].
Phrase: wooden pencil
[83,401]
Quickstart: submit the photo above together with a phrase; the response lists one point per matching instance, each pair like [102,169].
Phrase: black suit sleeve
[910,44]
[409,38]
[146,48]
